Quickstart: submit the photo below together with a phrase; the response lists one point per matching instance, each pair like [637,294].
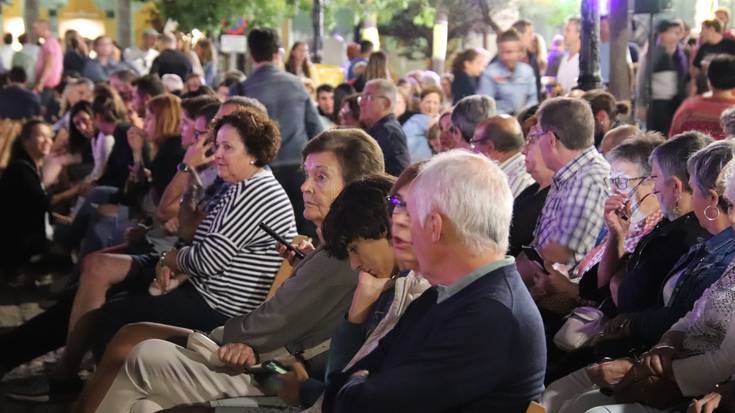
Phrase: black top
[163,166]
[392,140]
[120,160]
[725,46]
[463,85]
[648,265]
[17,102]
[22,212]
[74,62]
[526,210]
[172,61]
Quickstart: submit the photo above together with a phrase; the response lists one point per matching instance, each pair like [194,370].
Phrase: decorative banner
[237,26]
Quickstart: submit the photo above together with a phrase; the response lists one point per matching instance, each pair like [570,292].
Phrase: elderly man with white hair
[474,340]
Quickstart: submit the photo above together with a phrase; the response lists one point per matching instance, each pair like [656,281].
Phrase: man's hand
[237,355]
[369,288]
[722,399]
[291,383]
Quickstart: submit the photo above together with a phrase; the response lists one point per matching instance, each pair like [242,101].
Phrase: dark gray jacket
[287,102]
[304,312]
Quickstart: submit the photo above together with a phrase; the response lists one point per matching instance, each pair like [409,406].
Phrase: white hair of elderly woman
[472,192]
[729,172]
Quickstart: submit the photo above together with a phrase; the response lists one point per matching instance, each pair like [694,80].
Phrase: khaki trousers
[159,374]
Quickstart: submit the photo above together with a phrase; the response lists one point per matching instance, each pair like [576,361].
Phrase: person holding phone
[298,319]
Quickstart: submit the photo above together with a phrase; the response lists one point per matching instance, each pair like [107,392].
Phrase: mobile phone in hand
[268,230]
[268,367]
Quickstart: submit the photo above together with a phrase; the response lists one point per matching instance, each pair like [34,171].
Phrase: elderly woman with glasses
[631,213]
[625,276]
[702,266]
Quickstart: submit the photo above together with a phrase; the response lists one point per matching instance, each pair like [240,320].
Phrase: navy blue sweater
[482,349]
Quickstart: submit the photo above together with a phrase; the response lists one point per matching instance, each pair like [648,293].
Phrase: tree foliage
[412,25]
[208,15]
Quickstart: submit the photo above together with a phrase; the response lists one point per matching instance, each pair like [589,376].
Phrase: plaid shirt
[573,213]
[515,169]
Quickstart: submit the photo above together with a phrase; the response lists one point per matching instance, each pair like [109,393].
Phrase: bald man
[500,138]
[616,136]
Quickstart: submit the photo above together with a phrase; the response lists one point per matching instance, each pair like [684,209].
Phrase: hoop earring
[717,214]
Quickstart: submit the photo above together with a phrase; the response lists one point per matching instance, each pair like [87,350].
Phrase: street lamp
[589,55]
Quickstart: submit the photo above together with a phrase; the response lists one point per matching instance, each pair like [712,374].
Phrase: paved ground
[16,306]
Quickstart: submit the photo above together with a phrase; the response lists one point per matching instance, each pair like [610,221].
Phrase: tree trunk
[31,15]
[589,55]
[620,81]
[124,24]
[317,22]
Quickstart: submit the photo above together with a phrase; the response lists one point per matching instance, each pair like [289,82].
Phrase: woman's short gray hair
[672,155]
[637,150]
[727,121]
[470,111]
[472,192]
[707,165]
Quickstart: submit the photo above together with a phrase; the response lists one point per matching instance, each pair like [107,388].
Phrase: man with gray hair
[377,104]
[468,113]
[572,217]
[475,340]
[500,138]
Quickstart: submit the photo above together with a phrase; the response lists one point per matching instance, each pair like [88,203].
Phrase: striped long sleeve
[232,262]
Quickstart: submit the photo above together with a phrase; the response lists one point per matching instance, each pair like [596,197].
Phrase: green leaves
[209,15]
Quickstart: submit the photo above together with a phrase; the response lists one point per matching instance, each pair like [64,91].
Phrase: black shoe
[43,389]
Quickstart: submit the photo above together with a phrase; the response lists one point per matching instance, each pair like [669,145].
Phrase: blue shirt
[512,91]
[416,129]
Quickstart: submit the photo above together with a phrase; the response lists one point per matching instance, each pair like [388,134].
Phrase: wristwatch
[182,167]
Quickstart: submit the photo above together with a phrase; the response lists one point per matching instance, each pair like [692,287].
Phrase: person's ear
[678,186]
[712,198]
[436,223]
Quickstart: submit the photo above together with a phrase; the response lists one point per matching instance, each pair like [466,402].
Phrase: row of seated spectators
[446,289]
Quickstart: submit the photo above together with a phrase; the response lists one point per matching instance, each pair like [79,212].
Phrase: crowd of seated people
[552,256]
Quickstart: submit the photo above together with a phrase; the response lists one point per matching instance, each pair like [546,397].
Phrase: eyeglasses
[369,98]
[534,135]
[395,203]
[623,182]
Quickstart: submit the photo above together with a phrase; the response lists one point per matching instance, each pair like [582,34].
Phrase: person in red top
[702,113]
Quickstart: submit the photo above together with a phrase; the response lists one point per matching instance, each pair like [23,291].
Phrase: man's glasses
[369,98]
[475,142]
[534,135]
[395,203]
